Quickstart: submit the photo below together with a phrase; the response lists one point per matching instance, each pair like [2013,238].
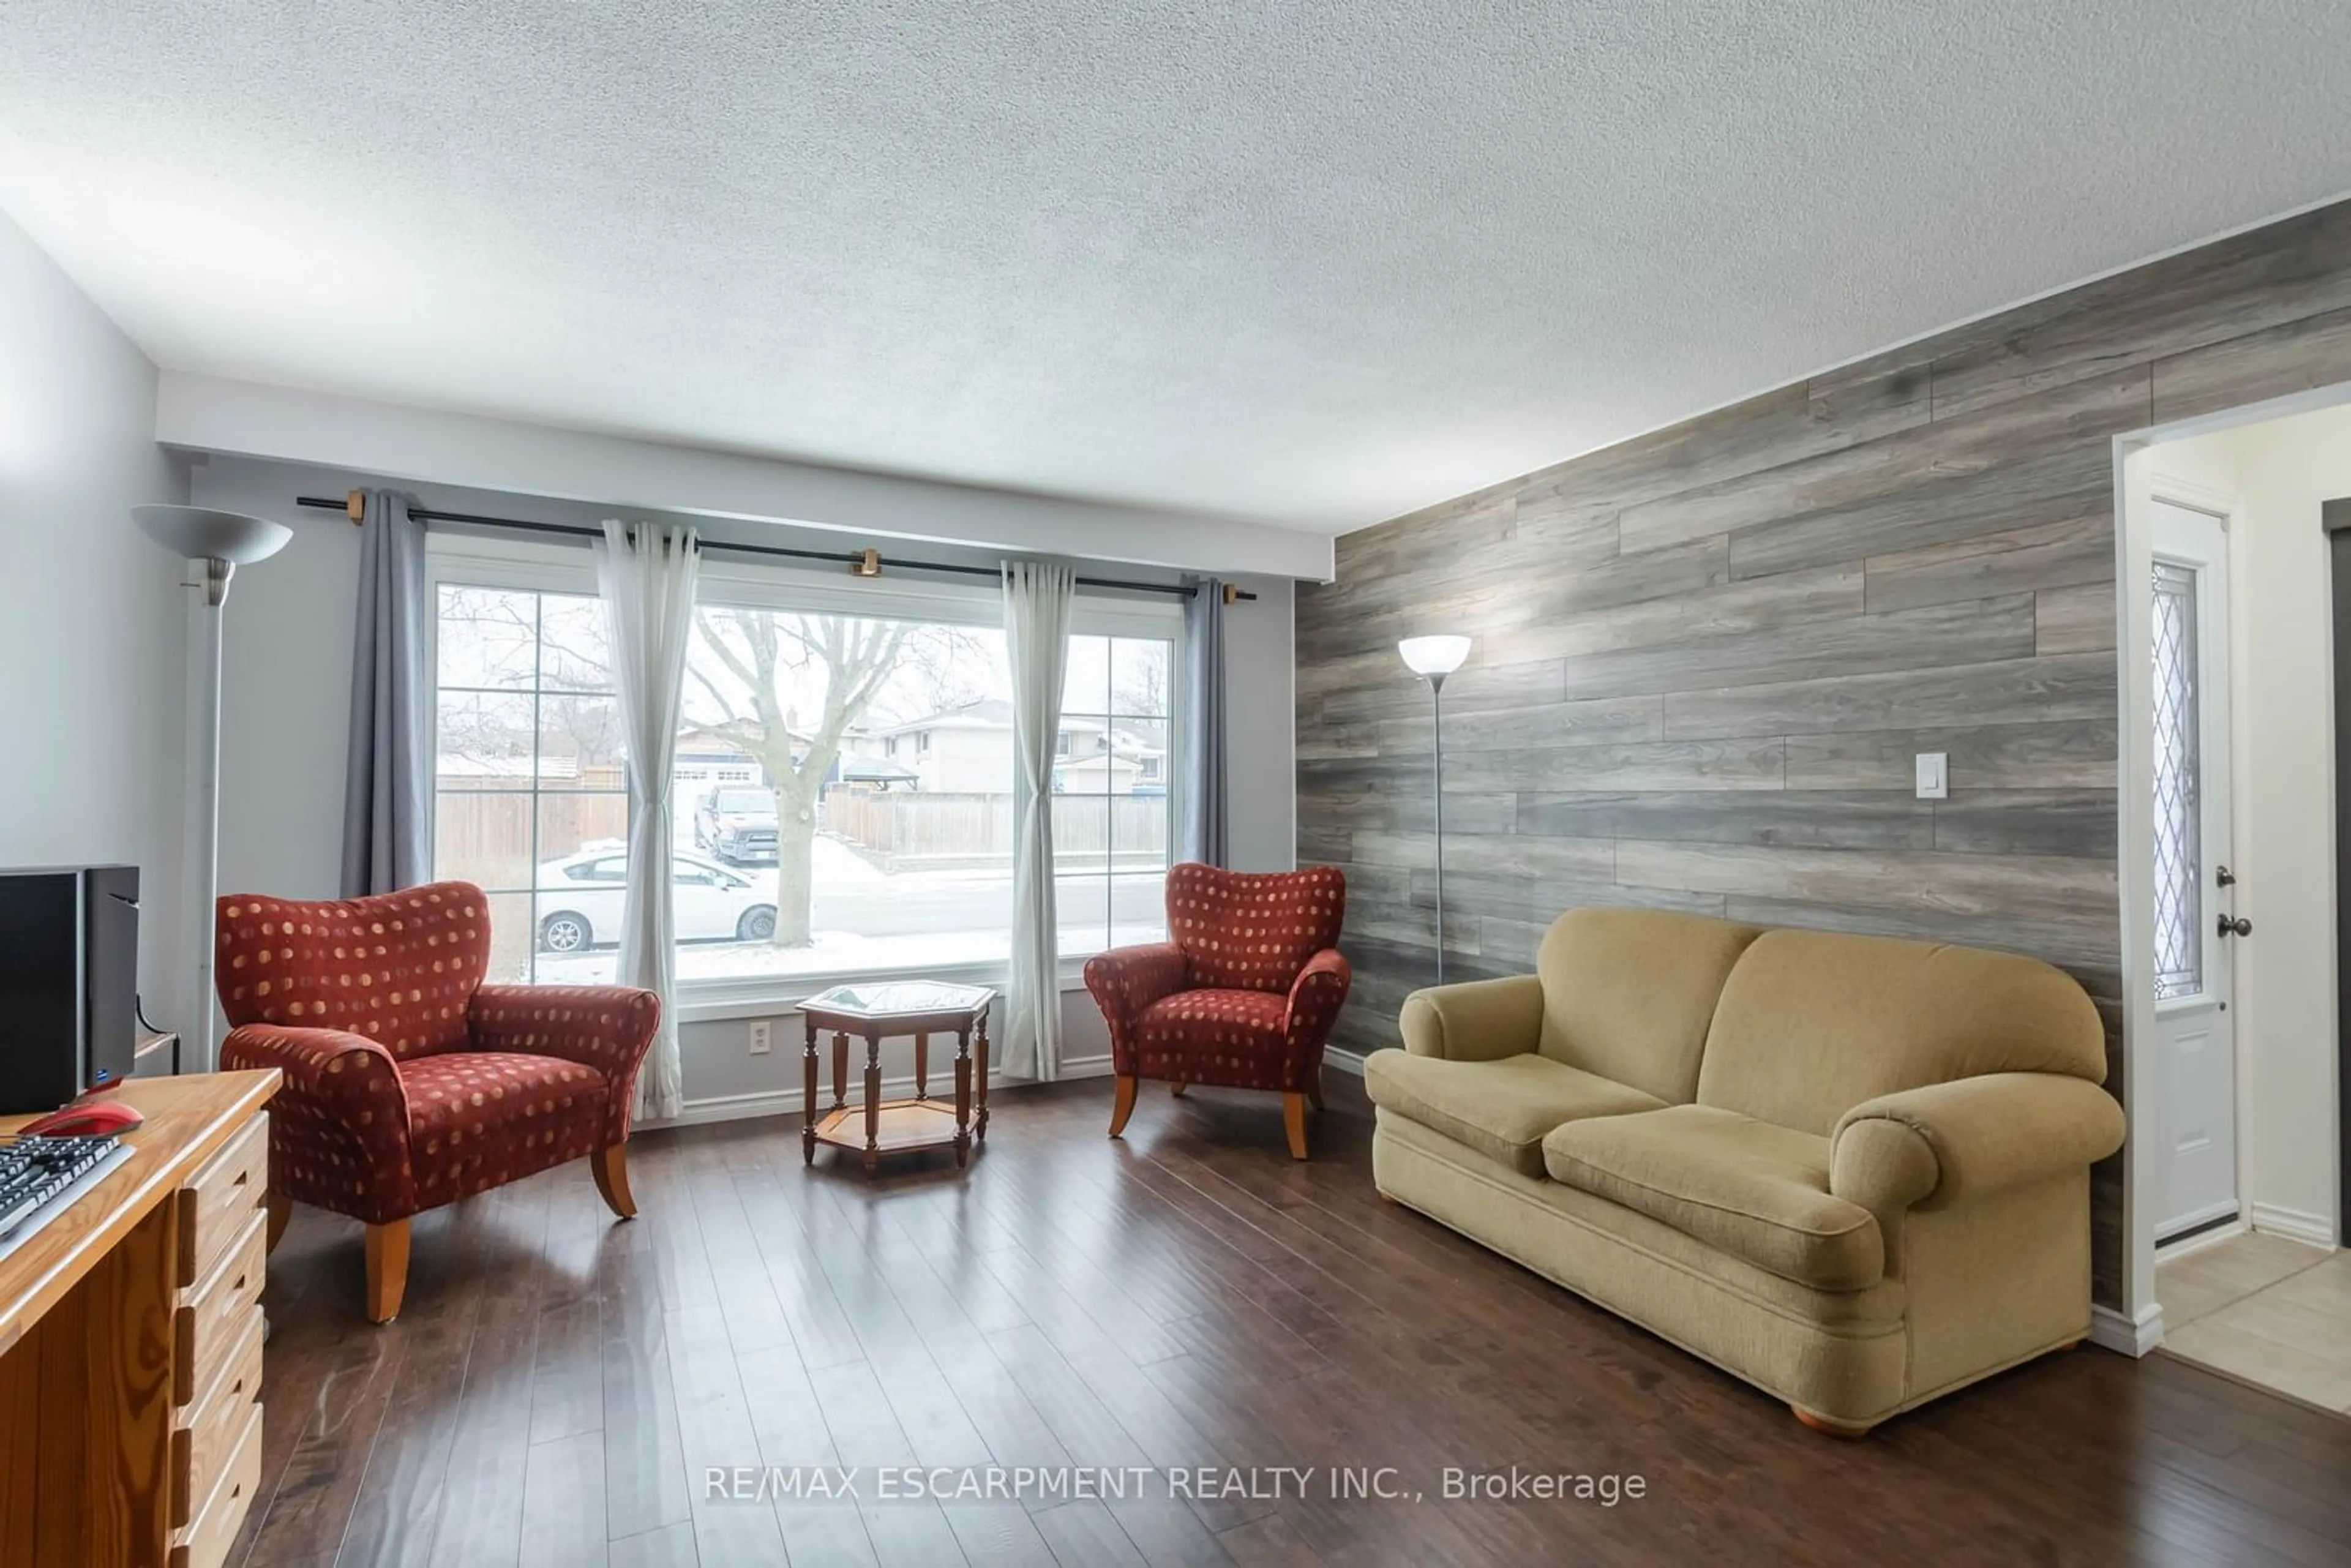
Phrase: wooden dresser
[131,1343]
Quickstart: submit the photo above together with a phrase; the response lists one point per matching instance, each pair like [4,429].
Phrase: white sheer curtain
[1037,636]
[646,574]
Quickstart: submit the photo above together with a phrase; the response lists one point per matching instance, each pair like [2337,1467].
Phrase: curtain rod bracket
[1232,593]
[865,563]
[355,507]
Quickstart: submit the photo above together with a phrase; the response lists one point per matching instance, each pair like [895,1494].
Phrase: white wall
[2282,780]
[93,623]
[423,447]
[1261,728]
[286,679]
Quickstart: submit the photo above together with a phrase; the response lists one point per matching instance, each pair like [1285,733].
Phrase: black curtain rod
[863,563]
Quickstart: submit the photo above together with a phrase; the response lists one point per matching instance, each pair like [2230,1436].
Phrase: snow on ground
[834,953]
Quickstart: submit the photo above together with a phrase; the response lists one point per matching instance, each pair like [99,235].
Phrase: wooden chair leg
[387,1270]
[610,1165]
[1823,1423]
[280,1208]
[1123,1106]
[1293,1122]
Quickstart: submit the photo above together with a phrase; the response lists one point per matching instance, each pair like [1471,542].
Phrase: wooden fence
[914,830]
[483,835]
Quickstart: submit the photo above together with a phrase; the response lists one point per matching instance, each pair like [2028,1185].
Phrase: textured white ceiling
[1310,264]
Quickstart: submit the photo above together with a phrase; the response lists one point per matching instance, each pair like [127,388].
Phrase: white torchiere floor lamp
[1433,659]
[214,544]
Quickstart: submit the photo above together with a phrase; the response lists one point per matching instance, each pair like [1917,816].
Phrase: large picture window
[842,778]
[842,784]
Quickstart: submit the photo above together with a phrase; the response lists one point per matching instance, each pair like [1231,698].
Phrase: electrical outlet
[763,1036]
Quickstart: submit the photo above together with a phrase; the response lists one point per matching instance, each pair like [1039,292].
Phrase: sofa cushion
[1758,1191]
[1501,1108]
[1812,1024]
[1628,993]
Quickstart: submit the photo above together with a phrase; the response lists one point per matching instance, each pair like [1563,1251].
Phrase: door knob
[2238,926]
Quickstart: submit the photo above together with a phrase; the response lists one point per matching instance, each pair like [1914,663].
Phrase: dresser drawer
[205,1544]
[215,1205]
[201,1448]
[210,1321]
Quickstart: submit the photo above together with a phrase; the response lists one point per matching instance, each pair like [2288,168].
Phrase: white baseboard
[787,1102]
[1347,1062]
[2111,1330]
[2293,1224]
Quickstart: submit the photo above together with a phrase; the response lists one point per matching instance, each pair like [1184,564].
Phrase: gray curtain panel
[1204,723]
[387,798]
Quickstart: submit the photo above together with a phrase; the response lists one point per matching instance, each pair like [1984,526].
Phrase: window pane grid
[527,721]
[1112,753]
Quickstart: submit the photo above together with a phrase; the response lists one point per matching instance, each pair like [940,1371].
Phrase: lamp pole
[1436,757]
[214,544]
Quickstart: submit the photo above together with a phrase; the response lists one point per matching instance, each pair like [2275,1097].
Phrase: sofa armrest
[608,1028]
[1478,1021]
[1933,1146]
[338,1126]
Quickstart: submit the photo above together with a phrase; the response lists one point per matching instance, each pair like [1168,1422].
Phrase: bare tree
[1141,681]
[762,652]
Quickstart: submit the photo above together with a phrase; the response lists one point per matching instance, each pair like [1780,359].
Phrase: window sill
[772,996]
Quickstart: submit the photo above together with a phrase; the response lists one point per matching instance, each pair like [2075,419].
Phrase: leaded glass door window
[2179,793]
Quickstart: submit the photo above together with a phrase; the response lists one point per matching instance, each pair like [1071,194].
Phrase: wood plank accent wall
[1705,658]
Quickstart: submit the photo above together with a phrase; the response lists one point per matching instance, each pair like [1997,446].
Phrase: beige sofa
[1851,1170]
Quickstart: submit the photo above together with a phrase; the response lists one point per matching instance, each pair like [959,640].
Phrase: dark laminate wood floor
[558,1383]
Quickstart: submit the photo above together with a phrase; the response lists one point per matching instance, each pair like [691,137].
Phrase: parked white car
[579,899]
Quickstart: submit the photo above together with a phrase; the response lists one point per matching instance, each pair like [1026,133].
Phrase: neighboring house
[702,763]
[965,750]
[968,750]
[705,764]
[1092,758]
[1103,773]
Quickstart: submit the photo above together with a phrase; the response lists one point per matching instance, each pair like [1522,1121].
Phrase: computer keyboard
[40,1177]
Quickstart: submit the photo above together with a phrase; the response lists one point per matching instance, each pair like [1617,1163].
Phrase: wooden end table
[882,1010]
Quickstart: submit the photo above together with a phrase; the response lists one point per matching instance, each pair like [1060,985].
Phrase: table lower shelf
[905,1124]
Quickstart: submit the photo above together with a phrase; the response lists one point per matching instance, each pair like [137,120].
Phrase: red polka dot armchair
[1243,993]
[409,1082]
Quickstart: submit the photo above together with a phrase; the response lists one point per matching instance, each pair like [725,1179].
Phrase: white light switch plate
[1934,776]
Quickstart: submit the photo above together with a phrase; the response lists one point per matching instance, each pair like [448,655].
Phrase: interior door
[2197,1059]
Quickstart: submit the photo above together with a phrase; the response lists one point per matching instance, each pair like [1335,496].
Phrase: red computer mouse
[84,1118]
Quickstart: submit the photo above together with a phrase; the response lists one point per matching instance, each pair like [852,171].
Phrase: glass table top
[879,997]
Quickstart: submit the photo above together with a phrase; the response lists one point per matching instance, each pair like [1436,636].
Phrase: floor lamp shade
[1433,658]
[1440,655]
[220,542]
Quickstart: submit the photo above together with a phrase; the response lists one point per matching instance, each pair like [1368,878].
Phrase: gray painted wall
[93,624]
